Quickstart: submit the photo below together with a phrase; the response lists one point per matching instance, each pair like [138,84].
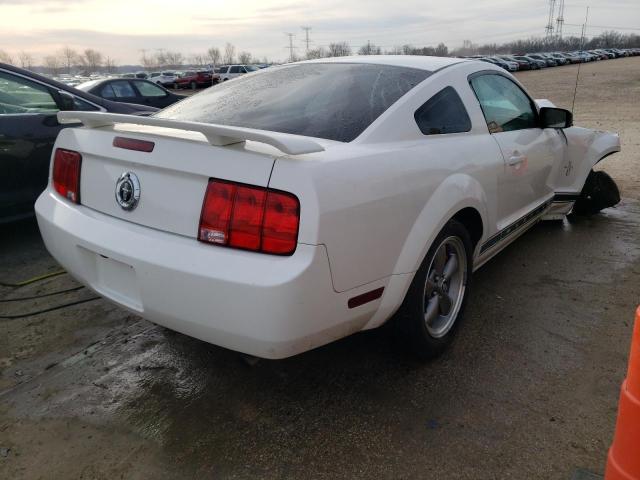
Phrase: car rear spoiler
[218,135]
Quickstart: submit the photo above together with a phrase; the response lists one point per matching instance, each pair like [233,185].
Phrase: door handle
[516,158]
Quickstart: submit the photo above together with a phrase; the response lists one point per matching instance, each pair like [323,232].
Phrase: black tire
[410,324]
[193,85]
[599,192]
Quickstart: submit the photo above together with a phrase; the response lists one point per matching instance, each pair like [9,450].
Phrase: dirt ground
[528,390]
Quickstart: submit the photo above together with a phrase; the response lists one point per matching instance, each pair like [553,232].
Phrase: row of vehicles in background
[200,78]
[191,79]
[536,61]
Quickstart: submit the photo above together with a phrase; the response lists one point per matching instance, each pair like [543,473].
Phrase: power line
[604,27]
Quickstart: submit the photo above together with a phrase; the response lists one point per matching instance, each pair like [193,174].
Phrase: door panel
[28,129]
[529,158]
[530,153]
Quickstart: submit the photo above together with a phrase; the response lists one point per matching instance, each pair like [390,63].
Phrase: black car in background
[131,90]
[522,64]
[28,128]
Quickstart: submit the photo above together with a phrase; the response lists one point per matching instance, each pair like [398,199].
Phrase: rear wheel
[433,307]
[599,192]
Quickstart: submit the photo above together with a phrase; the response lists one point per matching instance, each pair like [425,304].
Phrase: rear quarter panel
[378,202]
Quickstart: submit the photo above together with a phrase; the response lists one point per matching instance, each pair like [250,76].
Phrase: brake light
[249,218]
[66,174]
[133,144]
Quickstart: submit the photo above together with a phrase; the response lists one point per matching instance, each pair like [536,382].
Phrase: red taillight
[66,174]
[281,219]
[250,218]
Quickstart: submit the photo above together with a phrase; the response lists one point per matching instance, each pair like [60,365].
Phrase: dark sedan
[28,128]
[522,64]
[142,92]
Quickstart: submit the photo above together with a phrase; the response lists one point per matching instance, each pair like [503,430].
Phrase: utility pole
[290,47]
[560,20]
[549,28]
[306,39]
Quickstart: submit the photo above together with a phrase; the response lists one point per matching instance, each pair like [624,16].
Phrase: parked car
[549,62]
[196,79]
[463,163]
[142,92]
[500,63]
[511,66]
[28,127]
[533,63]
[559,58]
[227,72]
[166,79]
[522,64]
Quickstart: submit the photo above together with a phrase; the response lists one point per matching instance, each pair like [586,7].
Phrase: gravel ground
[528,390]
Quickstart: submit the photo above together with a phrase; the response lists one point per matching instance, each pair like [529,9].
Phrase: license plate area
[113,279]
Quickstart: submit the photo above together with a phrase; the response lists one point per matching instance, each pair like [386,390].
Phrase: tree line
[68,60]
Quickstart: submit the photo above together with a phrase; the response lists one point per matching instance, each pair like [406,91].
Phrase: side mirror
[555,118]
[67,100]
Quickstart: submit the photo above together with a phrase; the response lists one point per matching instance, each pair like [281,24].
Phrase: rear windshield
[336,101]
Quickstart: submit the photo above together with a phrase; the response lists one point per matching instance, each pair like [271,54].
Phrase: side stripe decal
[507,231]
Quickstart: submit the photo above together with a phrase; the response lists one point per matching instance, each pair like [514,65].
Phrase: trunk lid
[172,178]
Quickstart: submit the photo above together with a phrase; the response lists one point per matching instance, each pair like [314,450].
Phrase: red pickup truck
[196,79]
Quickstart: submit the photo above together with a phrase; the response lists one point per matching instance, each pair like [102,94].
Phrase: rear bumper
[263,305]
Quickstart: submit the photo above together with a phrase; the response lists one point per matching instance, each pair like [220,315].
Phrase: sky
[122,29]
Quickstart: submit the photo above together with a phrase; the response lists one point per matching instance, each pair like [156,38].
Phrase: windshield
[336,101]
[251,68]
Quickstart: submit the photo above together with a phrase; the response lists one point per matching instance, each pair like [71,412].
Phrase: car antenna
[575,90]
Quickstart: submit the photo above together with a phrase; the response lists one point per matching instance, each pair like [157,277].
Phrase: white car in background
[228,72]
[166,79]
[344,193]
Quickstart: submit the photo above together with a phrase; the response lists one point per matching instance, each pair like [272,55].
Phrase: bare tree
[319,52]
[26,60]
[149,62]
[173,59]
[52,63]
[369,49]
[442,50]
[229,53]
[5,57]
[339,49]
[110,64]
[214,55]
[198,59]
[69,57]
[407,50]
[244,58]
[92,59]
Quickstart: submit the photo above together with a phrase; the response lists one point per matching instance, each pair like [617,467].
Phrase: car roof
[422,62]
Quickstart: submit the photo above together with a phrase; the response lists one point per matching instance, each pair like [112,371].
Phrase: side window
[243,70]
[148,89]
[505,106]
[122,89]
[443,113]
[82,106]
[19,95]
[234,69]
[107,91]
[224,69]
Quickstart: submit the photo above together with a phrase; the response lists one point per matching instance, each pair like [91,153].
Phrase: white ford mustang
[302,203]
